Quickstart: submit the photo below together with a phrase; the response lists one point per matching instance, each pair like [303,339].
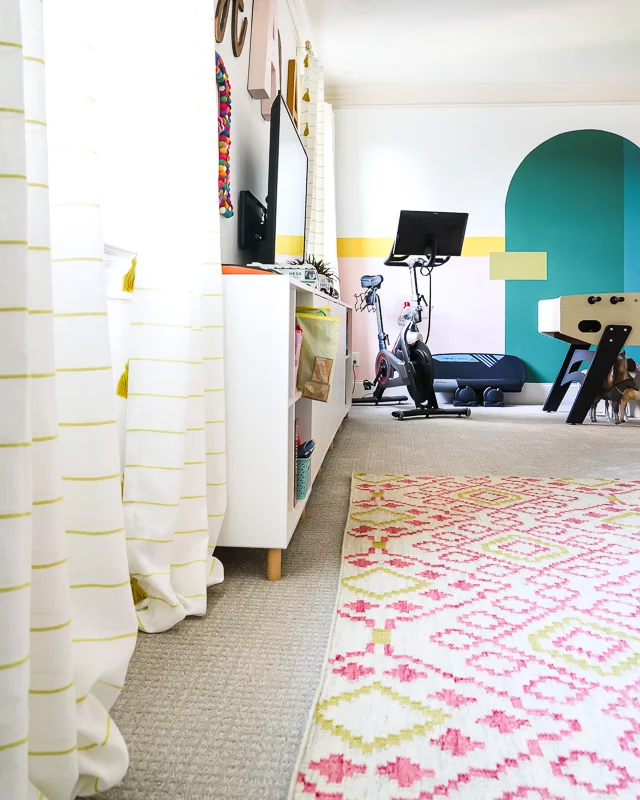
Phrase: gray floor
[216,708]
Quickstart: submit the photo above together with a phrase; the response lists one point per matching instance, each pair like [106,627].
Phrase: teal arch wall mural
[577,198]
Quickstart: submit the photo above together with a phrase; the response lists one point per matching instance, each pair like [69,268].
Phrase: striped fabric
[311,121]
[175,480]
[67,622]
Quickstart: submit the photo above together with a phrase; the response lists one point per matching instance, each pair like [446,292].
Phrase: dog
[616,383]
[630,393]
[603,394]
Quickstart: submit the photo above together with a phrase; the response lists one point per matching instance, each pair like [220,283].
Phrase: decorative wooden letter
[237,41]
[263,60]
[222,16]
[292,90]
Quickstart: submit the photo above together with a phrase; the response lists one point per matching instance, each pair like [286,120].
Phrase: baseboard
[532,394]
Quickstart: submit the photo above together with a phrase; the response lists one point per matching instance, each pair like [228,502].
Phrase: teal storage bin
[304,474]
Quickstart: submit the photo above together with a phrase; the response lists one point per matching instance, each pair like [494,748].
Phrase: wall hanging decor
[224,138]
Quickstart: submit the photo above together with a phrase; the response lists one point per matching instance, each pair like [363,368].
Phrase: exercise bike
[408,363]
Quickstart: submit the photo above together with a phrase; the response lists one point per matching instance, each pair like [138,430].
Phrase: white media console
[263,406]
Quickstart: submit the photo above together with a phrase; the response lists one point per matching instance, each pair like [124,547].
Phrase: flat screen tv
[284,234]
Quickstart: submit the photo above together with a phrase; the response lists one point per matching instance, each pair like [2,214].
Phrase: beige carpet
[216,708]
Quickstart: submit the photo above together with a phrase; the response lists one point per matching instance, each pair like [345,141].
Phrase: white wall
[449,159]
[249,131]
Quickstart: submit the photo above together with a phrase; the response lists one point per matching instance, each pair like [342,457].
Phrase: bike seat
[371,281]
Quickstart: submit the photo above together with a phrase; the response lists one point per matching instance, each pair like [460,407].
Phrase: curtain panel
[67,622]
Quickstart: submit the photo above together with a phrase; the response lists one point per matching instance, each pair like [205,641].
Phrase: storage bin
[304,473]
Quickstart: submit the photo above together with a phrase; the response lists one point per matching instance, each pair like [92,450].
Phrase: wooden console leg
[274,564]
[331,446]
[340,428]
[303,516]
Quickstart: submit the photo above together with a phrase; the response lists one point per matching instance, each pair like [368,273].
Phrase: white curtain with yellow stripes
[174,482]
[67,622]
[311,121]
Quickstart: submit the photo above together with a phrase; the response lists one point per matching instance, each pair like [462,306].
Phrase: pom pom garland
[224,139]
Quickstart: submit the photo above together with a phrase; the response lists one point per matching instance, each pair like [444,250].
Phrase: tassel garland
[129,278]
[137,591]
[122,389]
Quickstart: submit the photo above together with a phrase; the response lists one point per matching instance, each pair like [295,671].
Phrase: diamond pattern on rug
[486,644]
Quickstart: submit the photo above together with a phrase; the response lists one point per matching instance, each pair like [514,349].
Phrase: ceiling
[405,52]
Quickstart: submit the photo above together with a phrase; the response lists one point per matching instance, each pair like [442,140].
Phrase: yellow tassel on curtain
[306,61]
[122,389]
[306,97]
[129,278]
[137,591]
[306,130]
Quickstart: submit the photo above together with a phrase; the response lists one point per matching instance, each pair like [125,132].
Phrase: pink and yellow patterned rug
[486,644]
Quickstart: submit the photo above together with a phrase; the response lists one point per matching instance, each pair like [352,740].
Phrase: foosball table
[608,321]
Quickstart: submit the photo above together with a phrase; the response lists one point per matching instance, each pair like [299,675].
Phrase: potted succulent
[327,277]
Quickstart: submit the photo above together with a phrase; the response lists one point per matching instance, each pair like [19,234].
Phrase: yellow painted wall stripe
[95,533]
[13,664]
[289,245]
[372,247]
